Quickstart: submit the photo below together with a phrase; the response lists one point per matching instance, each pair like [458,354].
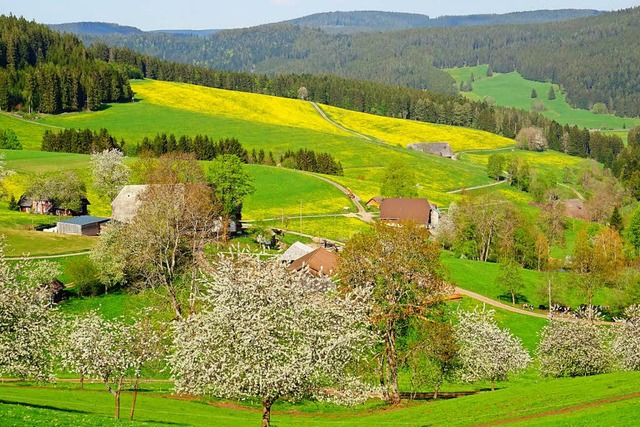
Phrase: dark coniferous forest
[44,71]
[594,59]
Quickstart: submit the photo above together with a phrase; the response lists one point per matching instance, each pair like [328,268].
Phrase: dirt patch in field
[574,208]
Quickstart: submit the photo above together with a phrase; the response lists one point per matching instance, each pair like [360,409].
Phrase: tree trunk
[383,383]
[394,395]
[266,412]
[435,391]
[493,384]
[513,298]
[175,304]
[135,397]
[116,396]
[81,382]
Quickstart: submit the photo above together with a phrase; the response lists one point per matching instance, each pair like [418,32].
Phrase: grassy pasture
[363,161]
[29,133]
[280,192]
[512,90]
[533,402]
[480,277]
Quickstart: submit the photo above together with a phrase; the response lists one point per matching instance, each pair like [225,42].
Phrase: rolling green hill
[512,90]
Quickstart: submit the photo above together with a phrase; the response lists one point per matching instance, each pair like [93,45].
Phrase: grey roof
[125,206]
[295,251]
[84,220]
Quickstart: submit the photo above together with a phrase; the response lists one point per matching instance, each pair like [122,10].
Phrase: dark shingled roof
[320,262]
[404,210]
[84,220]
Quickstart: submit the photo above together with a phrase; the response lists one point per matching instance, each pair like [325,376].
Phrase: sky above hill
[206,14]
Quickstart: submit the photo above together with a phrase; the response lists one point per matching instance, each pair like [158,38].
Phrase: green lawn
[29,132]
[512,90]
[534,398]
[283,192]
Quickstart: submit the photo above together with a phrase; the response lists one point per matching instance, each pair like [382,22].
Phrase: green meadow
[540,401]
[512,90]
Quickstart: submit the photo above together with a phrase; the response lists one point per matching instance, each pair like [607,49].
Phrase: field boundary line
[33,122]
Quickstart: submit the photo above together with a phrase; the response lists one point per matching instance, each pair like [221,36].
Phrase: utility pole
[300,216]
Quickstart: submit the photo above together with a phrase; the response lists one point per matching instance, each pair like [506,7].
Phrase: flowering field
[224,103]
[403,132]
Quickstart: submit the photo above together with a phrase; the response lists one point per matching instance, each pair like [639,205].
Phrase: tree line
[204,147]
[83,141]
[44,71]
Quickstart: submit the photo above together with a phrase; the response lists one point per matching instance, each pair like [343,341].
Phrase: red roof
[320,262]
[404,210]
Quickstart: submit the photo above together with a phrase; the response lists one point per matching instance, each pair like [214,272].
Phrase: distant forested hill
[94,28]
[43,71]
[595,59]
[373,21]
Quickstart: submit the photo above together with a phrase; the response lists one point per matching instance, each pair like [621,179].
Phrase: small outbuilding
[85,225]
[442,149]
[375,202]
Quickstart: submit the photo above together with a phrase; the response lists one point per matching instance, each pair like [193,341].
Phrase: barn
[85,225]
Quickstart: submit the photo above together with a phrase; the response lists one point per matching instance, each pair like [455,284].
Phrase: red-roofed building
[399,210]
[320,262]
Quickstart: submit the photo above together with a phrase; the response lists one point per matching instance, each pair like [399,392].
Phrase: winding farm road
[338,125]
[460,190]
[355,199]
[498,304]
[25,258]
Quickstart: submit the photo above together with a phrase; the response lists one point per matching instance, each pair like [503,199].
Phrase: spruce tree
[552,94]
[534,94]
[615,221]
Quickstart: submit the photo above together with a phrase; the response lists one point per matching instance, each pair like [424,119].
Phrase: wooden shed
[85,225]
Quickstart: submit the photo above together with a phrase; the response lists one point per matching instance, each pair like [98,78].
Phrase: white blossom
[265,332]
[108,350]
[486,351]
[27,321]
[573,348]
[626,339]
[109,171]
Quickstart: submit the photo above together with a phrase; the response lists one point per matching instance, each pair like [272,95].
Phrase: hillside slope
[594,59]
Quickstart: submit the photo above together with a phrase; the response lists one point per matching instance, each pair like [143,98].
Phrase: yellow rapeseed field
[239,105]
[404,132]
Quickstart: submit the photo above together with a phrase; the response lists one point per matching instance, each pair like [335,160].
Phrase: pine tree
[552,94]
[489,71]
[615,221]
[534,94]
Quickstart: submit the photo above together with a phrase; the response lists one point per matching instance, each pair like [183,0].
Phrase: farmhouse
[85,225]
[320,262]
[125,206]
[399,210]
[49,207]
[294,252]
